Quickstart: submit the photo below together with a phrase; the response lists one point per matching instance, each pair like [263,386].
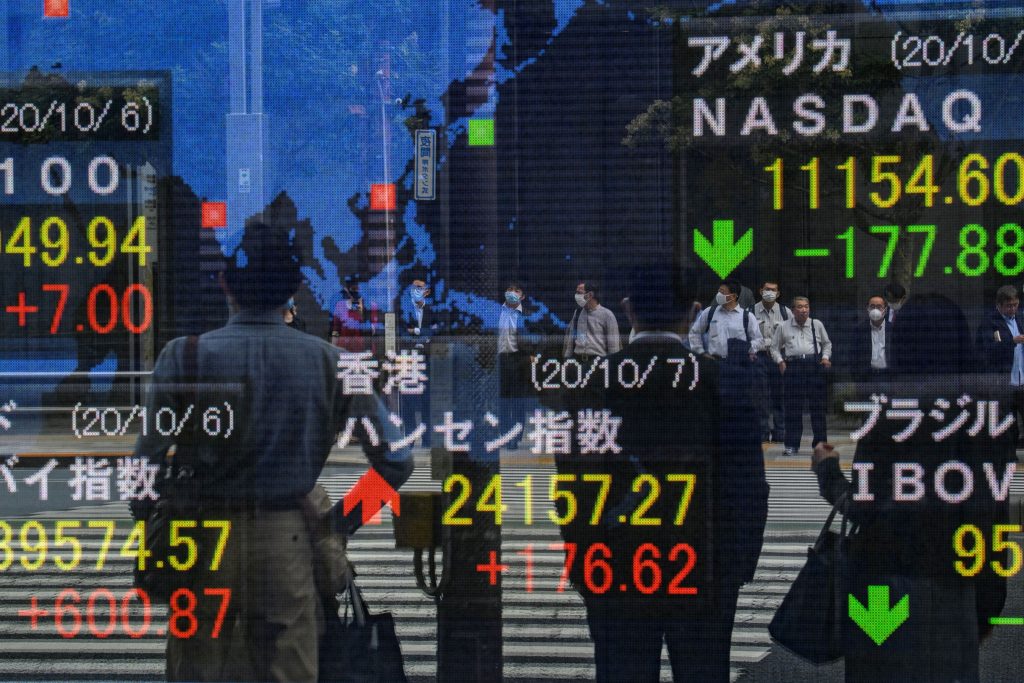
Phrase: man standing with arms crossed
[288,408]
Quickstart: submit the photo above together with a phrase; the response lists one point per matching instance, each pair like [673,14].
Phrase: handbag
[330,564]
[359,647]
[154,573]
[810,619]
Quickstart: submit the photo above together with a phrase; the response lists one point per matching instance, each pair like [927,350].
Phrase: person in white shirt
[513,360]
[723,321]
[770,314]
[803,351]
[593,330]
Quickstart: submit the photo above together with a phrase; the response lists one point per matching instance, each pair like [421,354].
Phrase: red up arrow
[372,492]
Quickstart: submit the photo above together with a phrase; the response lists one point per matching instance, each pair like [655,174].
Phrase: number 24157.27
[490,499]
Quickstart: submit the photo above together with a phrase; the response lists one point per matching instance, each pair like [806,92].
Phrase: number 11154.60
[892,178]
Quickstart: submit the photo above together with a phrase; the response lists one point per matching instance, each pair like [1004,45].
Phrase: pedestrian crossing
[545,637]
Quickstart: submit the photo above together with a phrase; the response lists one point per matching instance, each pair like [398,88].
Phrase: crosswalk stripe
[545,636]
[545,632]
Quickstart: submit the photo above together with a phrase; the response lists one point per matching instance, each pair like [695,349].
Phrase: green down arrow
[877,620]
[722,254]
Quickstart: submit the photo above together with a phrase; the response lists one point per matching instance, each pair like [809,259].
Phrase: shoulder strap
[814,336]
[707,321]
[785,316]
[746,323]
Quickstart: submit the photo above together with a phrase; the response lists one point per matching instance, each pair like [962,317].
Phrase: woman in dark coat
[905,535]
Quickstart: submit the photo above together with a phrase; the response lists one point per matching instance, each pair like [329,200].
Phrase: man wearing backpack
[723,321]
[770,315]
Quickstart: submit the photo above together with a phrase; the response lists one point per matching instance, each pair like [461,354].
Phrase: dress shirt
[593,333]
[418,312]
[509,322]
[724,326]
[798,340]
[878,346]
[769,319]
[1017,371]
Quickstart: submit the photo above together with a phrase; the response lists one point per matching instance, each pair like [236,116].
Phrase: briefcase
[359,647]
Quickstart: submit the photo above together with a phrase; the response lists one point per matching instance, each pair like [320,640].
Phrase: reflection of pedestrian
[905,540]
[348,323]
[289,408]
[895,296]
[670,426]
[803,351]
[723,321]
[416,331]
[871,346]
[513,360]
[769,399]
[593,330]
[1001,343]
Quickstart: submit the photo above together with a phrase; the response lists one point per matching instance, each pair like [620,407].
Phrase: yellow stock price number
[562,493]
[55,242]
[31,545]
[975,550]
[893,179]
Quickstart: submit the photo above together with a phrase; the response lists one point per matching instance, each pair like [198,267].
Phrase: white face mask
[581,300]
[721,299]
[769,295]
[895,305]
[875,314]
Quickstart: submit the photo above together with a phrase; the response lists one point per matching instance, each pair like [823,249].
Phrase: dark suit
[997,354]
[670,430]
[415,334]
[859,360]
[996,348]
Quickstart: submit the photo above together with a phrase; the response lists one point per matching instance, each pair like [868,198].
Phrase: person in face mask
[895,296]
[871,357]
[418,329]
[416,326]
[593,330]
[513,360]
[725,320]
[768,397]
